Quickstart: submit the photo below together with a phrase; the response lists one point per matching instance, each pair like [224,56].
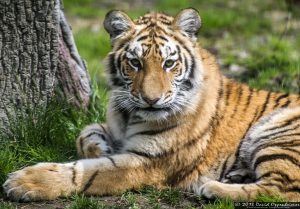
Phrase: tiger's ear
[188,22]
[117,23]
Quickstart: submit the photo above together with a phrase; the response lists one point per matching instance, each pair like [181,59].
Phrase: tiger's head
[154,67]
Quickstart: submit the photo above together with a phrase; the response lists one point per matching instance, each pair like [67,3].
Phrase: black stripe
[264,146]
[237,103]
[136,122]
[90,181]
[154,132]
[112,161]
[263,188]
[293,189]
[228,92]
[277,101]
[186,63]
[192,69]
[162,37]
[249,97]
[291,150]
[125,117]
[282,96]
[286,104]
[117,81]
[284,188]
[117,145]
[284,176]
[218,103]
[224,168]
[143,154]
[119,62]
[81,145]
[279,179]
[111,62]
[173,53]
[186,85]
[164,17]
[265,105]
[96,133]
[279,186]
[142,38]
[103,128]
[267,158]
[178,50]
[74,174]
[286,123]
[274,135]
[152,109]
[247,192]
[165,22]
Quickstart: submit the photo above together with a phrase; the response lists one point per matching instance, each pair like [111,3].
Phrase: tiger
[174,120]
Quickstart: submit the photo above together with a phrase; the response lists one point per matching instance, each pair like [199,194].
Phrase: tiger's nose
[150,101]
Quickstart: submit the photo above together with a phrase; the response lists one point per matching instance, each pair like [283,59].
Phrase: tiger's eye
[169,63]
[135,63]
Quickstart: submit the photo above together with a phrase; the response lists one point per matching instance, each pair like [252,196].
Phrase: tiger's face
[154,68]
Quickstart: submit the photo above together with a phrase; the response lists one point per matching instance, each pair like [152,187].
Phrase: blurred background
[255,41]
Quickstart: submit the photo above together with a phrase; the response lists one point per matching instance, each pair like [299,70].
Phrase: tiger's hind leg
[276,175]
[94,141]
[271,151]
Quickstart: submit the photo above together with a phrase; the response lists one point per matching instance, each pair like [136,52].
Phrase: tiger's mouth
[155,109]
[155,113]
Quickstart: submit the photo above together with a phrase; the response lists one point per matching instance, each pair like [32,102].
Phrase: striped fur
[177,123]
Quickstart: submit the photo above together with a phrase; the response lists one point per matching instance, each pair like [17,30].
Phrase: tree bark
[38,58]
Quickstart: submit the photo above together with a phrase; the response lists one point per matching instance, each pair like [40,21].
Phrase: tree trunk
[38,58]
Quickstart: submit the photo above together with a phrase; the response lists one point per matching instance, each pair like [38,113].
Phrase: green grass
[271,59]
[47,134]
[81,202]
[6,205]
[147,197]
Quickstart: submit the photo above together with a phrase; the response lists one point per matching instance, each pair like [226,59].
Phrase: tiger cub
[174,120]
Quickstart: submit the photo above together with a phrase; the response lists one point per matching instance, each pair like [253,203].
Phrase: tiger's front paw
[214,189]
[209,190]
[43,181]
[94,142]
